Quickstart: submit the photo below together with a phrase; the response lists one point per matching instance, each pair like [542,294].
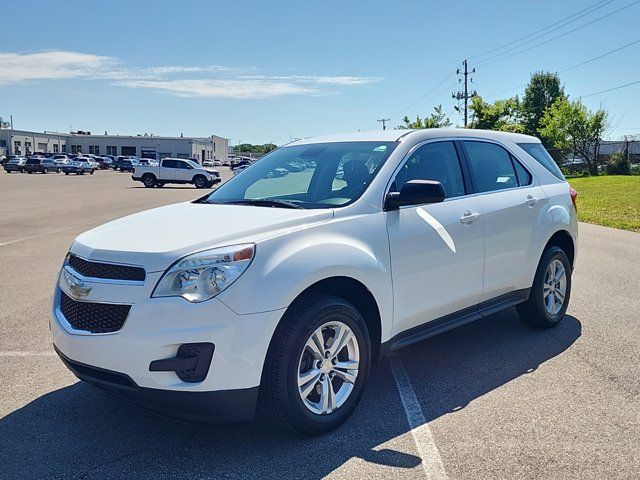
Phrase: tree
[501,115]
[543,90]
[573,129]
[438,119]
[257,149]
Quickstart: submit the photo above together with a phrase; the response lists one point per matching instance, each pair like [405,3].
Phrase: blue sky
[268,71]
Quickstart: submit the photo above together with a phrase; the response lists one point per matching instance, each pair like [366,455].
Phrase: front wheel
[200,181]
[317,365]
[549,297]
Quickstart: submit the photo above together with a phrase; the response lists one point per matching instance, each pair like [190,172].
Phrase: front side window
[433,161]
[322,175]
[491,166]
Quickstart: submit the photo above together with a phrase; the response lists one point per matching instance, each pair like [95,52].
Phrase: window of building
[128,151]
[75,149]
[3,143]
[17,147]
[55,148]
[27,147]
[42,147]
[64,148]
[433,161]
[112,150]
[94,149]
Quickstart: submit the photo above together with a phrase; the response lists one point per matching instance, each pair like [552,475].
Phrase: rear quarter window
[540,154]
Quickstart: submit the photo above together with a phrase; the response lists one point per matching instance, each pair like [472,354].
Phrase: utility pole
[464,95]
[384,122]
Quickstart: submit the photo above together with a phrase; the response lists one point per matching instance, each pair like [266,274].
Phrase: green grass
[612,201]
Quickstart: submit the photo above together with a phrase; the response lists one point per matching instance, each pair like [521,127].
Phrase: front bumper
[155,329]
[198,407]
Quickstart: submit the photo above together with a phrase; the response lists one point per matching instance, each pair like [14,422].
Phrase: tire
[29,172]
[159,184]
[539,311]
[46,170]
[290,353]
[200,181]
[91,172]
[66,173]
[149,180]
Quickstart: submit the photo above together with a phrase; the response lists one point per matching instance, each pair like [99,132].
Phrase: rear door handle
[531,201]
[469,217]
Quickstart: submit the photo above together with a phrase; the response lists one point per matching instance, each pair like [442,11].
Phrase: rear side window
[524,177]
[169,164]
[491,166]
[433,161]
[537,151]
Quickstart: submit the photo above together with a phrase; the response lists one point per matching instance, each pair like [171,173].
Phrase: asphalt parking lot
[494,399]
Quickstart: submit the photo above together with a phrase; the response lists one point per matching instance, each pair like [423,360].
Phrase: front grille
[106,270]
[93,317]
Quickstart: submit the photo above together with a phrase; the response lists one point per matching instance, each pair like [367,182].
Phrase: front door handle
[531,201]
[469,217]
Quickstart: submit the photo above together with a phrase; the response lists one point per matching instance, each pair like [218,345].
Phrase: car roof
[416,135]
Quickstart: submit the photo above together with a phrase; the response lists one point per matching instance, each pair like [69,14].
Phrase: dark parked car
[41,165]
[77,167]
[126,165]
[15,164]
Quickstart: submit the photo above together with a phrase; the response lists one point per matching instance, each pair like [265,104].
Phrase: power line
[593,59]
[600,56]
[611,89]
[424,96]
[499,58]
[580,14]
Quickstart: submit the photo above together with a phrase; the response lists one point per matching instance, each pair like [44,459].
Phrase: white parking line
[422,436]
[50,232]
[27,354]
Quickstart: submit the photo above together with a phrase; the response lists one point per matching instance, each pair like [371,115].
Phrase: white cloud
[183,81]
[17,68]
[245,88]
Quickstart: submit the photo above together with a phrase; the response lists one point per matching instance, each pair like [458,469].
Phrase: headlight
[203,275]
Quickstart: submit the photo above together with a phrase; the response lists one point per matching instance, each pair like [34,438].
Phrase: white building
[22,142]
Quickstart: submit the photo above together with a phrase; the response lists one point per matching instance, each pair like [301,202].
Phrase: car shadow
[77,432]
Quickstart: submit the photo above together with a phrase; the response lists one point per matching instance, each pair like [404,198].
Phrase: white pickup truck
[176,170]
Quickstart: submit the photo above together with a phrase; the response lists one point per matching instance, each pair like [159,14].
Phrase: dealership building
[22,142]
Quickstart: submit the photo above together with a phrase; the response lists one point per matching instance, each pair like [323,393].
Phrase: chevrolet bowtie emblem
[78,287]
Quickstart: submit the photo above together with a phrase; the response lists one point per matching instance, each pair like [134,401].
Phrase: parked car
[79,167]
[61,159]
[239,169]
[276,172]
[126,165]
[15,164]
[41,165]
[284,293]
[176,170]
[295,167]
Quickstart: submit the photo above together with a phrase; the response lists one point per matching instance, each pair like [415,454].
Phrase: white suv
[280,291]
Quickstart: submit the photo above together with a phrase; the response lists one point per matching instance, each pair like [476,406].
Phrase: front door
[437,250]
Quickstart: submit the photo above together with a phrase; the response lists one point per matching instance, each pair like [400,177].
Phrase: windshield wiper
[264,202]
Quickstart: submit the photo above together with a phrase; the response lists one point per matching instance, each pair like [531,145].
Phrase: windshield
[193,164]
[321,175]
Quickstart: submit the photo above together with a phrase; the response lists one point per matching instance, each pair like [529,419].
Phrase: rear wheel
[317,365]
[549,297]
[149,180]
[66,173]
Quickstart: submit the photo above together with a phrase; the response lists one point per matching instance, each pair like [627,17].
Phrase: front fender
[284,268]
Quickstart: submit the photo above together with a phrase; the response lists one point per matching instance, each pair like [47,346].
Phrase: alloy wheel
[328,367]
[555,287]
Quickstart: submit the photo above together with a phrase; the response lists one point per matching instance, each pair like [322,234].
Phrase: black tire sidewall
[148,180]
[307,422]
[554,253]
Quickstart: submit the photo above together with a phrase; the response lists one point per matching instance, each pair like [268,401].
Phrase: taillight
[574,196]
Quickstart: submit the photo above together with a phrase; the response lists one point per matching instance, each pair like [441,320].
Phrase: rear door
[437,250]
[168,170]
[510,202]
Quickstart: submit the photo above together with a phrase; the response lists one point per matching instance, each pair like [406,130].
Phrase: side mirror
[416,192]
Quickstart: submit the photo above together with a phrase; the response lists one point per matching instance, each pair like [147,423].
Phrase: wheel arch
[564,240]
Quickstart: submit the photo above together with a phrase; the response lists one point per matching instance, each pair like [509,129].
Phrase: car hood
[157,238]
[211,171]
